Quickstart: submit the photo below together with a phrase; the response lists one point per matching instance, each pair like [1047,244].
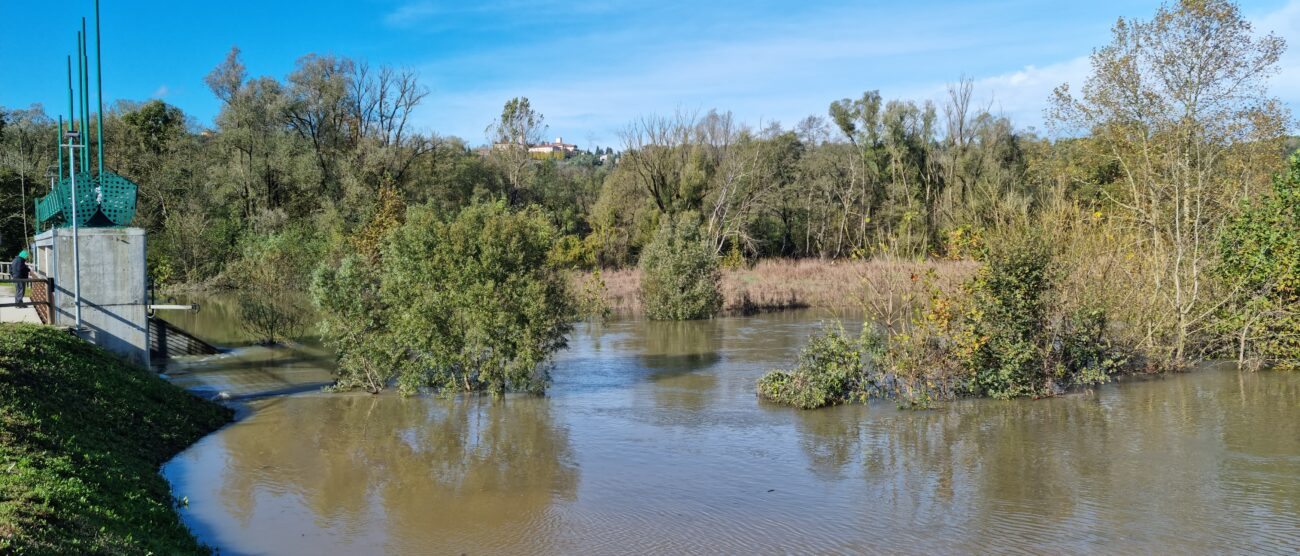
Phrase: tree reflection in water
[424,470]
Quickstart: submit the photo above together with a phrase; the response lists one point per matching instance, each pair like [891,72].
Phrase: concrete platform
[15,314]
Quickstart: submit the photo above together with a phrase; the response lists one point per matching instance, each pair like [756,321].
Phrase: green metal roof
[106,201]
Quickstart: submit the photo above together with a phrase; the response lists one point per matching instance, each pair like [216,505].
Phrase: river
[651,441]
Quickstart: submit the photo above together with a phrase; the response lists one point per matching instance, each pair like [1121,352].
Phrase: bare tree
[657,152]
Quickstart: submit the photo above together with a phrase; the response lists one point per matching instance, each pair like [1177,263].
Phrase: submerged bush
[1009,309]
[831,370]
[354,323]
[1024,343]
[476,303]
[471,304]
[680,279]
[1006,334]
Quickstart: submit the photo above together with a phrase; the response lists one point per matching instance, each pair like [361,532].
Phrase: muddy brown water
[651,441]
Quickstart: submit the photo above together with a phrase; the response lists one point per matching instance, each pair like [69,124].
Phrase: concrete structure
[114,286]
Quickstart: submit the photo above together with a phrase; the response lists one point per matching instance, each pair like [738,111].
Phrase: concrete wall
[114,286]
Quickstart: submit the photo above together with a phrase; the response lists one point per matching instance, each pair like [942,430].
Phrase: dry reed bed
[777,284]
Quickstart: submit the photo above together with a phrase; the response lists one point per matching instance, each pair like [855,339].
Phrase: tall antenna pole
[76,235]
[58,146]
[72,114]
[81,97]
[99,93]
[85,100]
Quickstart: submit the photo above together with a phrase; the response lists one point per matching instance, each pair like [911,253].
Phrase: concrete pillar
[114,286]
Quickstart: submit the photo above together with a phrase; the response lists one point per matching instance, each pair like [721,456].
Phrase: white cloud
[1023,95]
[160,92]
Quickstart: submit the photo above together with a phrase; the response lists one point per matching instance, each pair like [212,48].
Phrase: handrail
[47,303]
[4,270]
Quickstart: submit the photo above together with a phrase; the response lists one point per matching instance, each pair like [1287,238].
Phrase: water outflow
[651,441]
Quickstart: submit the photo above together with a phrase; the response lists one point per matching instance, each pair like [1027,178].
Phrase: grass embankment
[776,284]
[82,435]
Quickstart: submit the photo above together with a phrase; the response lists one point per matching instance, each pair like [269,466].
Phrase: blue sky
[590,67]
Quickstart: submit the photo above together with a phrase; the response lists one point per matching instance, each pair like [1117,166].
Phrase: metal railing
[41,292]
[4,270]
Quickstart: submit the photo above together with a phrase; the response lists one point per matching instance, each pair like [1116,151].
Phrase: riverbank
[82,436]
[779,284]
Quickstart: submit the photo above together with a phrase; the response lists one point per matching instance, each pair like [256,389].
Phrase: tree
[26,150]
[354,322]
[1180,105]
[679,272]
[519,128]
[474,303]
[657,153]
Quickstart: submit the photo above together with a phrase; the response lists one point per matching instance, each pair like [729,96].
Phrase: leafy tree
[354,321]
[26,151]
[680,279]
[1180,104]
[474,302]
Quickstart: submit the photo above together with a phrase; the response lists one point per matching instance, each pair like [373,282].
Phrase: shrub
[590,296]
[353,316]
[680,279]
[1009,309]
[468,304]
[1021,340]
[1260,257]
[1005,334]
[830,371]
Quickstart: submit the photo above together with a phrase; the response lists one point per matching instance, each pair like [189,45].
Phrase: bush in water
[1021,340]
[1007,336]
[468,304]
[354,322]
[680,279]
[830,371]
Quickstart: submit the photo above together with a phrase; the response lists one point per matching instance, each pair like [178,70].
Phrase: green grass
[82,435]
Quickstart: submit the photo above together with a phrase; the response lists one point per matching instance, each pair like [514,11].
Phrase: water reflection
[1161,462]
[384,474]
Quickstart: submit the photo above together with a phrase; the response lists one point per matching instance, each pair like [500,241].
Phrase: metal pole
[85,101]
[58,145]
[99,93]
[72,114]
[76,252]
[80,115]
